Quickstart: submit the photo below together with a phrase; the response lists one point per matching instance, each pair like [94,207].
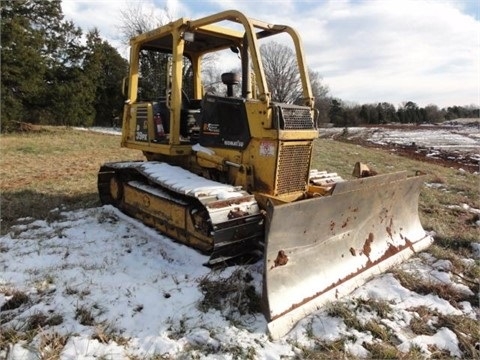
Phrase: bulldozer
[227,169]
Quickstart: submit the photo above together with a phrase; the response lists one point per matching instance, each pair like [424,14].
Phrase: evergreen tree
[105,68]
[23,65]
[48,75]
[70,93]
[336,113]
[411,113]
[42,80]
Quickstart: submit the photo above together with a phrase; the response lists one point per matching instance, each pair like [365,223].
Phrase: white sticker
[267,148]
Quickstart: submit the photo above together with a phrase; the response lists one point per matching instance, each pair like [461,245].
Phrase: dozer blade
[320,249]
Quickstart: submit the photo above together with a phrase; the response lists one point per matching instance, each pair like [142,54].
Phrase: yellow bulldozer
[228,171]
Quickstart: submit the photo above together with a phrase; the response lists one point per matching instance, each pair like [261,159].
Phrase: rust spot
[409,244]
[389,231]
[390,225]
[367,249]
[229,202]
[344,225]
[392,250]
[352,251]
[332,225]
[281,259]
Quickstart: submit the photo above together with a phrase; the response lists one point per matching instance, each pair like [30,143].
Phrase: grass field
[54,168]
[57,168]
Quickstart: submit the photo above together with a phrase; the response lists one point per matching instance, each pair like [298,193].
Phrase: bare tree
[281,72]
[137,19]
[319,90]
[283,78]
[320,93]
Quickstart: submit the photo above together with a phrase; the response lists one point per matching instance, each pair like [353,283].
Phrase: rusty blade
[322,248]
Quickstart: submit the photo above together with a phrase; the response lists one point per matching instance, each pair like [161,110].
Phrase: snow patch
[145,289]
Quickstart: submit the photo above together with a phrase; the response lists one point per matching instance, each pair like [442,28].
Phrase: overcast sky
[367,51]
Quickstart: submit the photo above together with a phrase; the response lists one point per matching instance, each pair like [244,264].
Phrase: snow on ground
[442,139]
[463,138]
[456,141]
[117,289]
[102,130]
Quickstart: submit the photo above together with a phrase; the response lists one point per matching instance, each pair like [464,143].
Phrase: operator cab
[214,121]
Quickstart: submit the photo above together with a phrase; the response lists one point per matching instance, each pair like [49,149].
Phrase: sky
[367,51]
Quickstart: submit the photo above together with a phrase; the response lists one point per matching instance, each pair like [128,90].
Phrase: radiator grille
[293,117]
[142,113]
[293,168]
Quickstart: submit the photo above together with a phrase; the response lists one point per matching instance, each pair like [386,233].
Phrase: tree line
[54,73]
[341,114]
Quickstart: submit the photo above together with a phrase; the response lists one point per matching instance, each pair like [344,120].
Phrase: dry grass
[39,321]
[342,310]
[465,272]
[52,169]
[17,299]
[106,333]
[424,287]
[382,308]
[51,345]
[233,296]
[9,336]
[467,331]
[84,315]
[382,351]
[428,321]
[348,313]
[323,350]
